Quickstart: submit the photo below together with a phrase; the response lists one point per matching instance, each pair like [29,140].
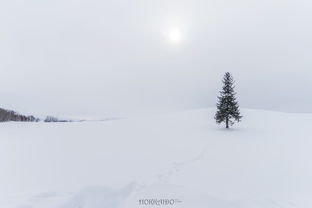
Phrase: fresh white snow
[265,161]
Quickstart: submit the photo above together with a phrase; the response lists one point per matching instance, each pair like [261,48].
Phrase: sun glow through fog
[175,36]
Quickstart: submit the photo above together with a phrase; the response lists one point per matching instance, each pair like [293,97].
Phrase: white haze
[113,57]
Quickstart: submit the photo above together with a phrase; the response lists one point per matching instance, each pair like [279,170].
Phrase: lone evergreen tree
[227,106]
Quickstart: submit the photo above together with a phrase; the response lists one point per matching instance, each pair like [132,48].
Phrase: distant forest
[9,115]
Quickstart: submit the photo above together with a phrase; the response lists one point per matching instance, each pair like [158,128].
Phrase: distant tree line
[9,115]
[54,119]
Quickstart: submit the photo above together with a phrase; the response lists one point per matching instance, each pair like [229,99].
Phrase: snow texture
[262,162]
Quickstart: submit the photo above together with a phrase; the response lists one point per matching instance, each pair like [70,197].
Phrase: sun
[175,36]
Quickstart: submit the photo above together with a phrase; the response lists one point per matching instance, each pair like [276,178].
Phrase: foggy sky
[113,57]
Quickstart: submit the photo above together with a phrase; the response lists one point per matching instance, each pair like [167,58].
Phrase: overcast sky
[112,57]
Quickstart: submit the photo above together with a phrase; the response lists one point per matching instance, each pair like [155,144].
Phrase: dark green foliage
[227,106]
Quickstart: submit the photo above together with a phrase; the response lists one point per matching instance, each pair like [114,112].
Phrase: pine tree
[227,106]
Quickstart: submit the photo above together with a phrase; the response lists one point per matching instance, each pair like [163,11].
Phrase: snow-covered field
[265,161]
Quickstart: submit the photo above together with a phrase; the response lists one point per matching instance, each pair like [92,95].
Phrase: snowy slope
[262,162]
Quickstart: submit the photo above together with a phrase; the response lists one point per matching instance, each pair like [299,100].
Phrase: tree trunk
[227,122]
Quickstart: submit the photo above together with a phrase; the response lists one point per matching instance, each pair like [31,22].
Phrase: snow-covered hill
[265,161]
